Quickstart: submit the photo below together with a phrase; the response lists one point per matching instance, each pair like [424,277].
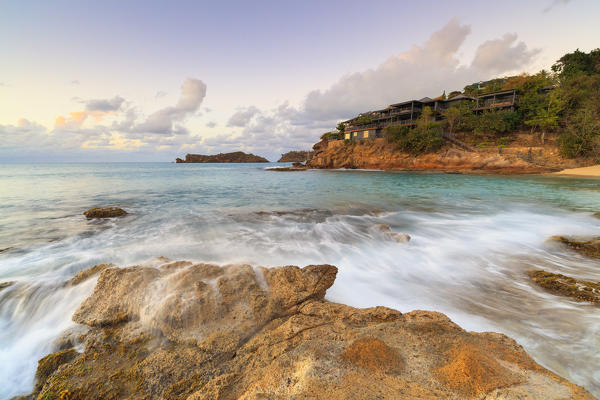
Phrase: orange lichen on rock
[373,354]
[471,372]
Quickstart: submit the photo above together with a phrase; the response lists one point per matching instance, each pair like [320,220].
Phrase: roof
[497,93]
[461,97]
[426,100]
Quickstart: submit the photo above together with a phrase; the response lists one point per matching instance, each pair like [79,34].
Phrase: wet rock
[49,364]
[578,290]
[398,237]
[104,212]
[589,247]
[236,332]
[88,273]
[4,285]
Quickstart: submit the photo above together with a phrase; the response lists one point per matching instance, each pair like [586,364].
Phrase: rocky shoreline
[380,154]
[179,330]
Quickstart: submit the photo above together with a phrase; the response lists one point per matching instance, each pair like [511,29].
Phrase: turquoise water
[473,238]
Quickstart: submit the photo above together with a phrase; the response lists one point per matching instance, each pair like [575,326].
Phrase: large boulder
[200,331]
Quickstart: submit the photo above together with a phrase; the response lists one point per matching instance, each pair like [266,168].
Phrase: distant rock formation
[198,331]
[235,157]
[296,156]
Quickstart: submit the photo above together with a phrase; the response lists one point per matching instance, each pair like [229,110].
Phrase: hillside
[235,157]
[296,156]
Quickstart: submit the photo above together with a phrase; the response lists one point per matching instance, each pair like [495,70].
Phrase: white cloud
[243,116]
[503,55]
[554,4]
[166,121]
[105,105]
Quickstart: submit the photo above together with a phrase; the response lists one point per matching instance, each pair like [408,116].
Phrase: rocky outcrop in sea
[296,156]
[235,157]
[179,330]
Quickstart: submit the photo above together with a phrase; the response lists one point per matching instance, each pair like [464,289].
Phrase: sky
[154,80]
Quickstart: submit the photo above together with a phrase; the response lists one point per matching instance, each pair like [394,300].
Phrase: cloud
[424,70]
[243,116]
[503,55]
[75,82]
[211,124]
[104,105]
[554,4]
[165,121]
[160,94]
[114,126]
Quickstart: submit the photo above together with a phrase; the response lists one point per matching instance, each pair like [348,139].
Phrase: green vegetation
[341,127]
[424,138]
[565,100]
[332,135]
[363,120]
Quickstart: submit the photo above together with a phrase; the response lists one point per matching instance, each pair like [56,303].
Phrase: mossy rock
[105,212]
[563,285]
[49,364]
[588,247]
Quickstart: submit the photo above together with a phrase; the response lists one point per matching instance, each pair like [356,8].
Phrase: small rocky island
[296,156]
[235,157]
[179,330]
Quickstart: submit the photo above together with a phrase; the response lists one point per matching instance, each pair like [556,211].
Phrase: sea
[472,240]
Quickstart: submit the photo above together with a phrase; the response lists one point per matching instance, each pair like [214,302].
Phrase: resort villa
[370,125]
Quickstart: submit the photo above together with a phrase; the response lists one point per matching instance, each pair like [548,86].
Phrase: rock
[589,247]
[88,273]
[596,214]
[104,212]
[236,332]
[578,290]
[398,237]
[49,364]
[235,157]
[4,285]
[296,156]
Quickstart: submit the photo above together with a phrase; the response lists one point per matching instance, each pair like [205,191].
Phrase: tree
[582,136]
[341,127]
[453,116]
[576,63]
[546,114]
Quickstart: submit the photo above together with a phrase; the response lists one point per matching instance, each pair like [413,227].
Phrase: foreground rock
[104,212]
[183,331]
[578,290]
[589,247]
[235,157]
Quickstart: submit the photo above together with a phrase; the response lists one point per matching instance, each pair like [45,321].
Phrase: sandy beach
[591,172]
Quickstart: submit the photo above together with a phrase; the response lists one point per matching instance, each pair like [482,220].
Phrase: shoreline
[582,172]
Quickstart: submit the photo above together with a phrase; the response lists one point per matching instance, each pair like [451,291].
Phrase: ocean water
[473,238]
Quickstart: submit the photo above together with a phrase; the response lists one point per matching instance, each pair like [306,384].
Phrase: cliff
[296,156]
[380,154]
[235,157]
[178,330]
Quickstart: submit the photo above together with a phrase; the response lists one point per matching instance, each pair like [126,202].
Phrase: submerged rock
[578,290]
[398,237]
[104,212]
[587,246]
[4,285]
[202,331]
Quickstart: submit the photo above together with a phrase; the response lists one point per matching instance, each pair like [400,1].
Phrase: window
[365,134]
[355,134]
[347,136]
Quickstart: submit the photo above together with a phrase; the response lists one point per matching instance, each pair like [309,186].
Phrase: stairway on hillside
[451,139]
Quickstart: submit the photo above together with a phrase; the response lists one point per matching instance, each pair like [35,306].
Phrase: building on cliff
[370,125]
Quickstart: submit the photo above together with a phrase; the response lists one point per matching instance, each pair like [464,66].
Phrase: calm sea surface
[473,238]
